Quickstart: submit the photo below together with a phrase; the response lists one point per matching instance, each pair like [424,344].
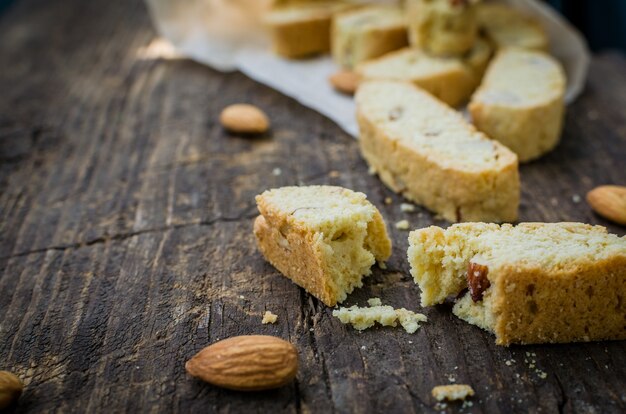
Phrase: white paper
[226,35]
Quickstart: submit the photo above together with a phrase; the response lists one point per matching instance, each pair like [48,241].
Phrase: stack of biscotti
[426,151]
[323,238]
[532,283]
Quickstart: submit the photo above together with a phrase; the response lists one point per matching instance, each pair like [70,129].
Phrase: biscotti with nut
[323,238]
[506,26]
[302,29]
[520,102]
[451,79]
[366,33]
[530,283]
[426,151]
[442,27]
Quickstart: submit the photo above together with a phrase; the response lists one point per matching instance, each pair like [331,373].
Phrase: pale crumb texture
[520,102]
[548,282]
[452,392]
[364,318]
[324,238]
[269,317]
[402,225]
[374,302]
[429,153]
[407,208]
[450,79]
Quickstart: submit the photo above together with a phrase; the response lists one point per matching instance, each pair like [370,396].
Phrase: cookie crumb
[407,208]
[371,170]
[277,171]
[269,317]
[403,225]
[333,174]
[576,198]
[388,200]
[363,318]
[241,297]
[452,392]
[374,302]
[382,265]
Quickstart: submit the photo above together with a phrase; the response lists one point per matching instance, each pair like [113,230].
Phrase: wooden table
[126,242]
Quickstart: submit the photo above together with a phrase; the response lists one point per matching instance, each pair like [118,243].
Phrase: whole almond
[244,119]
[246,363]
[10,389]
[609,201]
[345,81]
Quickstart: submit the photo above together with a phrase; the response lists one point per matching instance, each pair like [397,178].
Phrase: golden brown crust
[297,259]
[585,303]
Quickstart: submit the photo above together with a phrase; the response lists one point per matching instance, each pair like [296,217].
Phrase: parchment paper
[227,35]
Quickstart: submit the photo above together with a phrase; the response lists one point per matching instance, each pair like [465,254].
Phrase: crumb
[576,198]
[363,318]
[382,265]
[371,170]
[333,174]
[467,404]
[452,392]
[363,348]
[543,375]
[451,378]
[388,200]
[403,225]
[508,362]
[269,317]
[241,297]
[411,342]
[374,302]
[311,330]
[277,171]
[407,208]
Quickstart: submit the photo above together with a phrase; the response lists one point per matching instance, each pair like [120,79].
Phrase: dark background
[601,21]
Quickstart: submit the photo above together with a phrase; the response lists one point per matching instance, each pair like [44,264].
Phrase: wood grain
[126,243]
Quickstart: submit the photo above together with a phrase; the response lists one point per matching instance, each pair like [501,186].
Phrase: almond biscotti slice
[366,33]
[451,79]
[302,29]
[530,283]
[506,26]
[323,238]
[426,151]
[521,102]
[442,27]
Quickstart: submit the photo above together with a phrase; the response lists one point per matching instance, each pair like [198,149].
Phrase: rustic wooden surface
[126,243]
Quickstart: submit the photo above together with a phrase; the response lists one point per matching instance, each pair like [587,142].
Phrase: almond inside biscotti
[531,283]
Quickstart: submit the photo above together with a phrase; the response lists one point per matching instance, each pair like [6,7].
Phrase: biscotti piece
[426,151]
[508,27]
[442,27]
[323,238]
[367,33]
[520,102]
[451,79]
[301,30]
[532,283]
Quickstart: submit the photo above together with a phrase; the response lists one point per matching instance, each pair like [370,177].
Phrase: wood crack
[124,236]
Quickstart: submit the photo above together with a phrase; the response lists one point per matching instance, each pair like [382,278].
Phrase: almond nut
[609,201]
[344,81]
[244,119]
[10,389]
[246,363]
